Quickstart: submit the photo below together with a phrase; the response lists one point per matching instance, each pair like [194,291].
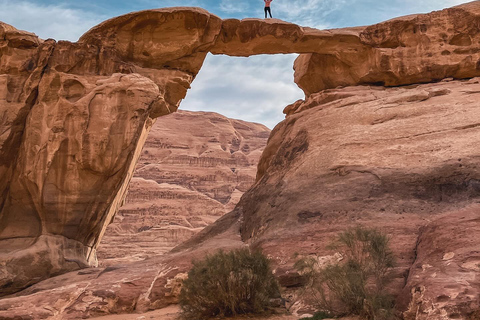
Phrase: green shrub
[355,285]
[227,284]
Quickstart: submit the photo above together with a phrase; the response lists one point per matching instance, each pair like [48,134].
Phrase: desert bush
[228,283]
[475,315]
[355,284]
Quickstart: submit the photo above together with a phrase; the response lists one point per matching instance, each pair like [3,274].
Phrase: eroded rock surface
[194,168]
[76,118]
[444,281]
[75,160]
[76,115]
[403,160]
[411,49]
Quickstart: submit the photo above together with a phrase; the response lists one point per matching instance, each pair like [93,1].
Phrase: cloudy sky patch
[59,22]
[234,7]
[253,88]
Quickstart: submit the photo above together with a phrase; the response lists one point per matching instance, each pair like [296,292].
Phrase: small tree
[356,284]
[227,284]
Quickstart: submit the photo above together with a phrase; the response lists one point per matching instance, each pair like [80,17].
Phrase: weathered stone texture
[412,49]
[75,117]
[194,168]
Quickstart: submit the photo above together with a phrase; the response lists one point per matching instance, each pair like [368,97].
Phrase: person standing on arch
[267,8]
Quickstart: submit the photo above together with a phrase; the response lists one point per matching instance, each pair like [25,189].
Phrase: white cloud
[311,13]
[323,14]
[150,4]
[253,89]
[426,6]
[48,21]
[231,7]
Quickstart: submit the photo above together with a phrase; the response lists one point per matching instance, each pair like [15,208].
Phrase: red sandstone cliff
[403,159]
[193,169]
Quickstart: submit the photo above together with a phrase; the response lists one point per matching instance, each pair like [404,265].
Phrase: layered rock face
[401,159]
[194,168]
[69,145]
[70,142]
[76,118]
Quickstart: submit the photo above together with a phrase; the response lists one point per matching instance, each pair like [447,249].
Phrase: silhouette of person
[267,8]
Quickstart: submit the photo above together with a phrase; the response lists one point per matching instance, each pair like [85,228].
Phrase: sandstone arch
[76,114]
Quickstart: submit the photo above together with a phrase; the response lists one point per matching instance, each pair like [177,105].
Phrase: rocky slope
[403,159]
[399,159]
[193,169]
[77,114]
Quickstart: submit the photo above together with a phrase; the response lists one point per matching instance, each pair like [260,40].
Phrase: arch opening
[254,89]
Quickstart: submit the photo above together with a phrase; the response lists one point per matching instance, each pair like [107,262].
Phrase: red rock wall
[76,116]
[194,168]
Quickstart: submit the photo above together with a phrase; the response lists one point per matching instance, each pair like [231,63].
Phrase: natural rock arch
[77,114]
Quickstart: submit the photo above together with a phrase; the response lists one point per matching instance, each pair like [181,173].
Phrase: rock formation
[76,116]
[194,168]
[402,160]
[412,49]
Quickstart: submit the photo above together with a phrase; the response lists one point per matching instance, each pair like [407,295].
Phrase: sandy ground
[168,313]
[173,312]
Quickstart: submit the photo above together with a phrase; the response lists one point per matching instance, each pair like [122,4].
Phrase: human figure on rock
[267,8]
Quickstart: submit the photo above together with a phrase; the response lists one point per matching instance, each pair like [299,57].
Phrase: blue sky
[253,89]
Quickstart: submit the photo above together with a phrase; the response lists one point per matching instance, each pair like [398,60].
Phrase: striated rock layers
[76,115]
[403,160]
[194,168]
[400,159]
